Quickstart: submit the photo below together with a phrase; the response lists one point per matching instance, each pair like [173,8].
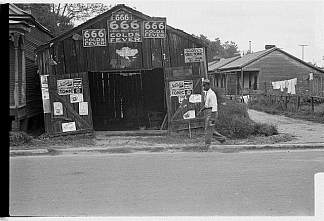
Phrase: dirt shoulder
[99,140]
[303,131]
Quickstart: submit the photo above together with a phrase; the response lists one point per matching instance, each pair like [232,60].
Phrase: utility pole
[303,50]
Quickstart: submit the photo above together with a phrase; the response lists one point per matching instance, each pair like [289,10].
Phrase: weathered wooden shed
[25,34]
[114,72]
[257,71]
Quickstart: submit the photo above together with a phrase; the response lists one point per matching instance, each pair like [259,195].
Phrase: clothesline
[289,84]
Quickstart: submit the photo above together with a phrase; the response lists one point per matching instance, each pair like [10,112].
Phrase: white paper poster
[70,126]
[45,94]
[195,98]
[58,108]
[189,114]
[76,98]
[181,98]
[83,108]
[46,106]
[44,83]
[65,86]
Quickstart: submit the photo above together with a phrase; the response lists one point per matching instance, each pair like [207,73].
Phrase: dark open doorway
[127,100]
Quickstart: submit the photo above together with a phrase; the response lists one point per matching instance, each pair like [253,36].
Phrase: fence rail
[291,103]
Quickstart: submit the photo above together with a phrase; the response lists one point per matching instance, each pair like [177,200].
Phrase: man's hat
[206,81]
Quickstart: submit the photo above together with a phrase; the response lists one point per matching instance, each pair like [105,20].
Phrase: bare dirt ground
[303,131]
[290,131]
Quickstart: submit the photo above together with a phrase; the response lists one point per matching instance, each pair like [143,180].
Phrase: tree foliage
[59,18]
[217,49]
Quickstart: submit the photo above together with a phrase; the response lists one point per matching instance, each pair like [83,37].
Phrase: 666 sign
[94,37]
[154,29]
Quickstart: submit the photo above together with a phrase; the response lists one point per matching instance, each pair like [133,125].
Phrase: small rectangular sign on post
[194,55]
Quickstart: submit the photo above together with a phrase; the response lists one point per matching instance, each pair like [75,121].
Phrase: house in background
[25,34]
[219,79]
[256,71]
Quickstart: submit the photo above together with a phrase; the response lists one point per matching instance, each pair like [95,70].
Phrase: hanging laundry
[293,83]
[275,85]
[289,84]
[246,98]
[282,85]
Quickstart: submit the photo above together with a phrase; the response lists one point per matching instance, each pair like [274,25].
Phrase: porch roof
[214,65]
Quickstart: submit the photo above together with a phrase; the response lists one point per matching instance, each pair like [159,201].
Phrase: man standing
[211,113]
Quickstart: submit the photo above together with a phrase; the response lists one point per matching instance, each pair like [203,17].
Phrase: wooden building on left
[25,34]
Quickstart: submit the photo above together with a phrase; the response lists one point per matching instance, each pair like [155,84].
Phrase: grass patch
[304,112]
[17,138]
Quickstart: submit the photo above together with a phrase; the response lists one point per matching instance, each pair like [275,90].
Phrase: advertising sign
[181,89]
[83,108]
[189,114]
[58,108]
[44,83]
[70,126]
[154,29]
[77,85]
[194,55]
[195,98]
[45,93]
[65,86]
[123,28]
[76,98]
[94,37]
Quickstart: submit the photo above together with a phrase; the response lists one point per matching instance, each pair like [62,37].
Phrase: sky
[286,24]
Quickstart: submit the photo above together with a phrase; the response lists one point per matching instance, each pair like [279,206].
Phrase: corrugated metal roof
[214,65]
[246,59]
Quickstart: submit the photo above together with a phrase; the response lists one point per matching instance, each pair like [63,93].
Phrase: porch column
[23,71]
[242,80]
[16,124]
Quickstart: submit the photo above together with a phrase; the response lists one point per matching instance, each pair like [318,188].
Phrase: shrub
[235,126]
[18,138]
[265,129]
[234,121]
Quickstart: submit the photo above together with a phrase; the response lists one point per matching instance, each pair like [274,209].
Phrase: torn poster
[189,114]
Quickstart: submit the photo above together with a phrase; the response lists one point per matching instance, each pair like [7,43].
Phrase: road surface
[304,131]
[165,184]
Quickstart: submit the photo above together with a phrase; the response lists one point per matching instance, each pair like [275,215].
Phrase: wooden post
[298,102]
[205,63]
[265,87]
[312,99]
[189,129]
[286,101]
[242,80]
[16,123]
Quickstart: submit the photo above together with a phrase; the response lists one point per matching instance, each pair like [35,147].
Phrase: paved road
[305,131]
[202,184]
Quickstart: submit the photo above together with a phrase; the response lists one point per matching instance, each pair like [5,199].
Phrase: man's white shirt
[211,100]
